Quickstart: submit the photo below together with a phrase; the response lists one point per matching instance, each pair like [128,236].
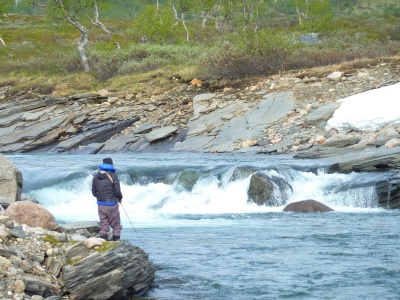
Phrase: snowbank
[368,111]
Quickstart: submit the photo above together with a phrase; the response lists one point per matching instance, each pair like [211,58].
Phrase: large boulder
[31,214]
[120,271]
[10,182]
[268,189]
[307,206]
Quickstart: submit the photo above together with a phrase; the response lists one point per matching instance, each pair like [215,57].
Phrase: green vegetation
[106,246]
[51,239]
[186,39]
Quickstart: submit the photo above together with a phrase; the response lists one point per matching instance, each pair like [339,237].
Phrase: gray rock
[145,128]
[322,113]
[161,133]
[85,96]
[10,120]
[388,191]
[100,133]
[61,237]
[346,160]
[6,252]
[33,116]
[101,275]
[10,182]
[91,226]
[385,135]
[268,189]
[17,232]
[119,142]
[78,238]
[32,132]
[35,284]
[76,251]
[211,132]
[278,147]
[196,143]
[341,141]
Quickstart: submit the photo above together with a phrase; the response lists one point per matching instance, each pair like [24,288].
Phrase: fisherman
[107,190]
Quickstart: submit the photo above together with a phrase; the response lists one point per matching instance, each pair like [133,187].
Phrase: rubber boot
[104,237]
[115,238]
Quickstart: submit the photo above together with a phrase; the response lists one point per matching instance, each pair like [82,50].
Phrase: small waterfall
[348,190]
[154,192]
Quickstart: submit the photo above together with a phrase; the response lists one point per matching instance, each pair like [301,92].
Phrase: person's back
[106,188]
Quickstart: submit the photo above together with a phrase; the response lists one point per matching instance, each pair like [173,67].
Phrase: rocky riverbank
[279,114]
[66,261]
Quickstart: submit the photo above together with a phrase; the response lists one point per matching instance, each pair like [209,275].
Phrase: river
[190,213]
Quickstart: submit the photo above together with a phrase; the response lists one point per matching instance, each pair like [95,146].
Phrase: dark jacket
[104,188]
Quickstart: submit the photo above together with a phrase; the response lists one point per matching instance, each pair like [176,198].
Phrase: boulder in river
[307,206]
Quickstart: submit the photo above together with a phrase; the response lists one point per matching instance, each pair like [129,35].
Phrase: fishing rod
[132,224]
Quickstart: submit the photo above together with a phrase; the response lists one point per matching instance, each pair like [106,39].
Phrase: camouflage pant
[109,217]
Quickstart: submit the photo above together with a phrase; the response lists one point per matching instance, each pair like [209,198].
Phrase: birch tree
[182,7]
[314,14]
[74,12]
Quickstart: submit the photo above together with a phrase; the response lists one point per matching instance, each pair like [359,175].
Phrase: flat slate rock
[91,226]
[161,133]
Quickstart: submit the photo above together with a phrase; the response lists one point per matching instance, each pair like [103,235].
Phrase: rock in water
[31,214]
[307,206]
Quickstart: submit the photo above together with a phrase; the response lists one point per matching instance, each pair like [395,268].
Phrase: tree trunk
[2,42]
[299,15]
[83,41]
[184,26]
[98,23]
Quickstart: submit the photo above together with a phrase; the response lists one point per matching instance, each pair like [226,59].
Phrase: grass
[40,57]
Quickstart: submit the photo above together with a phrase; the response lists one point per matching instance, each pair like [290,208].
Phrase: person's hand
[120,200]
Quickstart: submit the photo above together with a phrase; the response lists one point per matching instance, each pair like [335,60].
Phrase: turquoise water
[276,256]
[191,214]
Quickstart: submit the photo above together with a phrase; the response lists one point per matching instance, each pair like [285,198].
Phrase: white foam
[163,204]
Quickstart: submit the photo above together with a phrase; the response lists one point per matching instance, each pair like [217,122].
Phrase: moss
[51,239]
[72,261]
[106,247]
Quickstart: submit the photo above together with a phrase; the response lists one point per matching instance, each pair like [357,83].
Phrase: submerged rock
[307,206]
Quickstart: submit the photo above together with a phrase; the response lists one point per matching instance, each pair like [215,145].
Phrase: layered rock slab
[221,124]
[114,274]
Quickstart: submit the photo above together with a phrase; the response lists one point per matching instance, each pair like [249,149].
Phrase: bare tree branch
[98,23]
[2,42]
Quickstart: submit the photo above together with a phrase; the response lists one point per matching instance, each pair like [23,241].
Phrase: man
[106,188]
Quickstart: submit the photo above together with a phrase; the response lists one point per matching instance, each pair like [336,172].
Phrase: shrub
[141,58]
[258,53]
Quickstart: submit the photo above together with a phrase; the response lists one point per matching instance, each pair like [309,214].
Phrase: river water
[190,213]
